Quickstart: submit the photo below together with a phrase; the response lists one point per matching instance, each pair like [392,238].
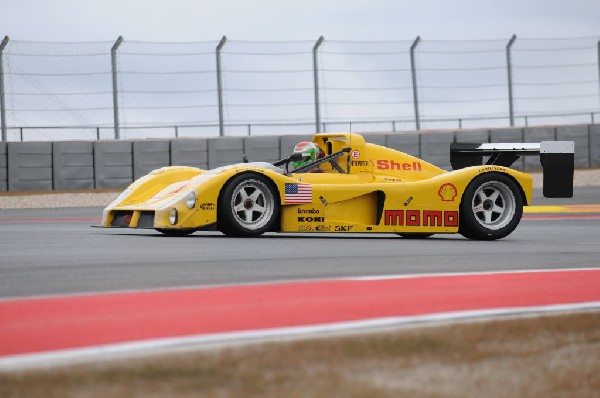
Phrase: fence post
[2,101]
[316,78]
[113,58]
[510,83]
[220,85]
[413,70]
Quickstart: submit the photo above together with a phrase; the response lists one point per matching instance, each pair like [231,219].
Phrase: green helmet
[310,152]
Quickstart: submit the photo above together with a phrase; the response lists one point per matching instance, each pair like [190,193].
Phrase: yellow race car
[348,185]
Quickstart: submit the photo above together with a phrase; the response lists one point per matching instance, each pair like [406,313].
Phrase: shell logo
[447,192]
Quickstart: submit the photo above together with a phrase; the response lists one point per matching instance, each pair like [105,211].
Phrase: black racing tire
[248,206]
[175,232]
[491,207]
[415,235]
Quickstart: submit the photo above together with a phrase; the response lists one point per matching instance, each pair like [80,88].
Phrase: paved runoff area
[70,292]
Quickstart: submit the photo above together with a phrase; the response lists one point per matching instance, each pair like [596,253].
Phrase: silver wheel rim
[493,205]
[252,204]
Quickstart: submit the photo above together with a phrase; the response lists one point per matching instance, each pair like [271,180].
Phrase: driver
[310,152]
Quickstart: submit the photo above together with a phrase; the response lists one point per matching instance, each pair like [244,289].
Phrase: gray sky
[189,20]
[550,76]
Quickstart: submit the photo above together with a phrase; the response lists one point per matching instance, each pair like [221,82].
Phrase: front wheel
[491,207]
[248,206]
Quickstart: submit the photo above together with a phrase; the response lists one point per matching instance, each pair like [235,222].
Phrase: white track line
[444,274]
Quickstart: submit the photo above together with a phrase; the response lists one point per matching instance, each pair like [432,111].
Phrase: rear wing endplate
[557,159]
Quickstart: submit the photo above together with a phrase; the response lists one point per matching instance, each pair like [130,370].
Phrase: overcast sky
[544,82]
[198,20]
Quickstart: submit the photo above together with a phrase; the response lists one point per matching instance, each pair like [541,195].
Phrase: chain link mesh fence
[64,91]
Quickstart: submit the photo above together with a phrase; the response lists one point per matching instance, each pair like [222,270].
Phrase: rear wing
[557,158]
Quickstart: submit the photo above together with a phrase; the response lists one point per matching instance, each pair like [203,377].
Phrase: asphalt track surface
[56,252]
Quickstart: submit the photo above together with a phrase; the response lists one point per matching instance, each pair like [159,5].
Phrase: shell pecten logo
[447,192]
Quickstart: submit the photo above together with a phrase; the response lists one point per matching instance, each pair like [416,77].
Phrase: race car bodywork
[355,187]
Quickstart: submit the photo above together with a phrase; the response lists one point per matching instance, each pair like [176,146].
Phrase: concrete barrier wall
[595,146]
[261,149]
[407,143]
[150,155]
[224,151]
[472,136]
[435,148]
[115,164]
[3,167]
[378,139]
[73,165]
[188,152]
[29,166]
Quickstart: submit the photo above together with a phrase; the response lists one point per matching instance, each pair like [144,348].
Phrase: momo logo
[323,228]
[418,218]
[384,164]
[447,192]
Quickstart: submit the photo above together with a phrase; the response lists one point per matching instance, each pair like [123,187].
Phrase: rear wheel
[491,207]
[248,206]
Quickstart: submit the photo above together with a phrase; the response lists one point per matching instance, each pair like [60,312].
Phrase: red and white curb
[48,331]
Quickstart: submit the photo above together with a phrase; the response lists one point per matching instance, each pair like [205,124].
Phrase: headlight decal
[173,216]
[190,199]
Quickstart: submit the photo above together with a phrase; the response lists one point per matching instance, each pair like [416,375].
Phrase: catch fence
[128,89]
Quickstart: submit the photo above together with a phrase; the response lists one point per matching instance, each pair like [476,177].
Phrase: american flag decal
[297,193]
